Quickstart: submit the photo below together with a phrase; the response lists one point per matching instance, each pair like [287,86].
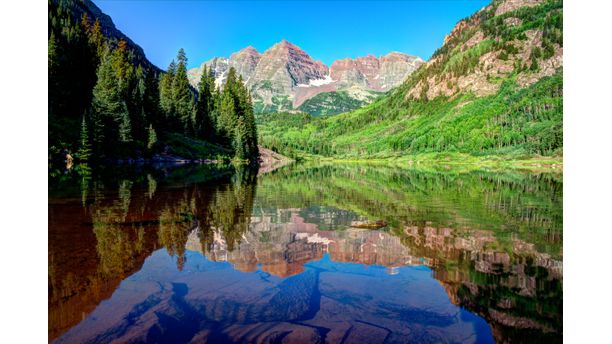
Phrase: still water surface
[219,255]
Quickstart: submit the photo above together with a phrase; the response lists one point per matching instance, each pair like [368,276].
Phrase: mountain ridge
[495,87]
[284,76]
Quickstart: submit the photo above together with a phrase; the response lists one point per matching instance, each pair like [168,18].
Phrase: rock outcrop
[282,68]
[285,76]
[373,73]
[480,51]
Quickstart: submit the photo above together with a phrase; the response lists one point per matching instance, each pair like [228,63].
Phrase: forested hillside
[494,88]
[108,102]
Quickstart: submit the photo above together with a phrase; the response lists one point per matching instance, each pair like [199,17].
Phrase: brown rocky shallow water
[207,254]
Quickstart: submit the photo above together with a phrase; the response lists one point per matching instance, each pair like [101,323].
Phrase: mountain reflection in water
[201,254]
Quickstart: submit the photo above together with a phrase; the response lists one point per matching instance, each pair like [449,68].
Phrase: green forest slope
[494,88]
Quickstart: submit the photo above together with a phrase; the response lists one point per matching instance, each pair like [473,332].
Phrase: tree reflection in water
[493,241]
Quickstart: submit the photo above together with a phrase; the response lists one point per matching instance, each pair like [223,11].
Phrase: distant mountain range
[495,86]
[285,77]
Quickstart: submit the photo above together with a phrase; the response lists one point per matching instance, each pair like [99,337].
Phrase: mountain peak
[285,45]
[285,74]
[249,49]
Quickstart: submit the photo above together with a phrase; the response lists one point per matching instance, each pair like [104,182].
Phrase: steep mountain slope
[80,7]
[244,61]
[331,103]
[77,33]
[494,87]
[282,68]
[285,76]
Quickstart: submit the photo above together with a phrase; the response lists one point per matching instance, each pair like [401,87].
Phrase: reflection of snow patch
[313,238]
[317,82]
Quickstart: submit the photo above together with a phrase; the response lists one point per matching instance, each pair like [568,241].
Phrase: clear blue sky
[326,30]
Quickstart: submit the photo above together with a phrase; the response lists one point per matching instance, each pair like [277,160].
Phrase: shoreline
[454,161]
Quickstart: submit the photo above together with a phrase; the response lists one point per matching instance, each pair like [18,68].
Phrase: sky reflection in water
[225,256]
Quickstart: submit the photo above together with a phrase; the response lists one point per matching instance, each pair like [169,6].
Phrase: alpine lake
[307,253]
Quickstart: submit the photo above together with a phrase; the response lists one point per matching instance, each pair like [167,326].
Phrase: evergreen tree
[136,98]
[84,151]
[182,96]
[166,100]
[236,121]
[226,120]
[152,139]
[96,38]
[111,120]
[150,103]
[240,143]
[250,128]
[125,127]
[203,124]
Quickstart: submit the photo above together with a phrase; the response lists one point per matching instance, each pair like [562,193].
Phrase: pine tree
[85,23]
[152,140]
[240,140]
[214,103]
[109,109]
[203,124]
[96,38]
[125,126]
[138,118]
[166,101]
[226,120]
[248,128]
[182,96]
[150,103]
[84,151]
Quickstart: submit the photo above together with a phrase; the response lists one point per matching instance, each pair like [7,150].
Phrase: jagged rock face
[511,5]
[395,68]
[219,65]
[471,36]
[373,73]
[285,76]
[245,61]
[355,72]
[283,67]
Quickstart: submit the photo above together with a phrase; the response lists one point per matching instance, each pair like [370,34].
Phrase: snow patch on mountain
[317,82]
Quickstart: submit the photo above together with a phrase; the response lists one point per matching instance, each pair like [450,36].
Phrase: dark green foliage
[78,38]
[166,101]
[152,138]
[109,109]
[72,75]
[332,103]
[183,99]
[514,121]
[130,109]
[204,127]
[190,148]
[236,121]
[526,121]
[84,151]
[536,53]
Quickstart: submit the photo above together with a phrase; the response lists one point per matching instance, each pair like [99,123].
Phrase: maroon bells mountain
[285,76]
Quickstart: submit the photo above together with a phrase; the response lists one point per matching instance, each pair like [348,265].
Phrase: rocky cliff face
[281,69]
[501,39]
[285,76]
[373,73]
[244,61]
